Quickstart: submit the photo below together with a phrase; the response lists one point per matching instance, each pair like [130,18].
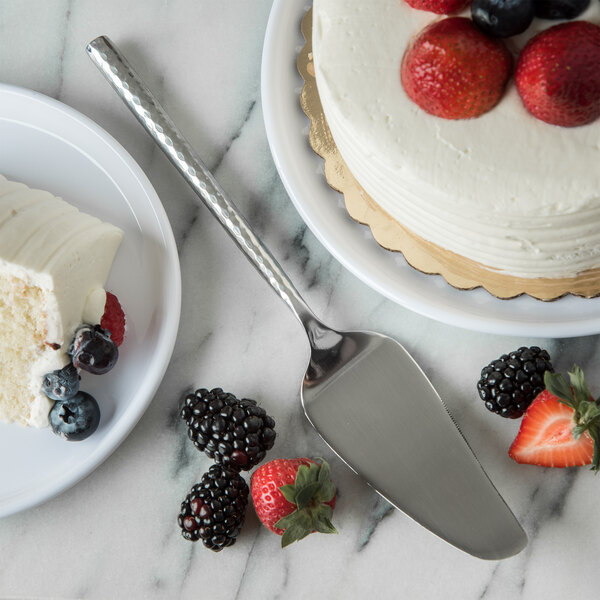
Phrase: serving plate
[352,244]
[47,144]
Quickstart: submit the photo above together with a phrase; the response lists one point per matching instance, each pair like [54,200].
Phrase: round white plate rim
[281,48]
[168,331]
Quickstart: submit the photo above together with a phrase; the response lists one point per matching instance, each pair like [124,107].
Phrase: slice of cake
[54,262]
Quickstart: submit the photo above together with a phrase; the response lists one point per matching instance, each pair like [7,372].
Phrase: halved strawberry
[558,74]
[561,427]
[113,319]
[454,71]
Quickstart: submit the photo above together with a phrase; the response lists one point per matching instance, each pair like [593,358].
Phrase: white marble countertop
[114,535]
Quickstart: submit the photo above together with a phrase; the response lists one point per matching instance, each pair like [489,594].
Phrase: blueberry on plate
[560,9]
[61,384]
[93,351]
[502,18]
[75,419]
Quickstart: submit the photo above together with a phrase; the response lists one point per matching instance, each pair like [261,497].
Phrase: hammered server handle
[119,73]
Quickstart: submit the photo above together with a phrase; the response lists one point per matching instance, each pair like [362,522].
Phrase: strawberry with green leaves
[294,497]
[561,427]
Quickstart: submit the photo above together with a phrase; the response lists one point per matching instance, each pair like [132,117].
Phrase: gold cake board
[424,256]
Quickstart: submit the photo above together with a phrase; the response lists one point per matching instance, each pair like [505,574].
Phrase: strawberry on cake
[457,127]
[54,262]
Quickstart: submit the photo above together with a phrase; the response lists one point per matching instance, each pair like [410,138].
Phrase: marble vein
[233,137]
[185,233]
[64,40]
[239,590]
[487,586]
[381,509]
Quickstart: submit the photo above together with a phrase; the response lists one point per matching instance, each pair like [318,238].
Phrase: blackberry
[215,508]
[509,383]
[235,433]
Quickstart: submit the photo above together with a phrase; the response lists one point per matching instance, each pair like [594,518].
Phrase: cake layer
[54,262]
[506,190]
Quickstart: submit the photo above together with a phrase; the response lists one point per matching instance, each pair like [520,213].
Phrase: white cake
[506,190]
[54,262]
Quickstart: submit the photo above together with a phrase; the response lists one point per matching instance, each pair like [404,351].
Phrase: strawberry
[452,70]
[440,7]
[561,427]
[558,74]
[294,497]
[113,319]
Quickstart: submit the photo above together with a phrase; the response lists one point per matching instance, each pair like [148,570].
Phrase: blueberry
[502,18]
[76,418]
[61,384]
[560,9]
[93,351]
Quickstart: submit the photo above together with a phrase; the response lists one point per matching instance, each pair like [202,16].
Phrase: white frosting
[505,189]
[50,245]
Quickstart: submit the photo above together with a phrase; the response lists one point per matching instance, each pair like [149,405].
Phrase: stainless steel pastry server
[362,391]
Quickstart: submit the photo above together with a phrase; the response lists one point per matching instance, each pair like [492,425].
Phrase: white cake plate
[48,145]
[322,209]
